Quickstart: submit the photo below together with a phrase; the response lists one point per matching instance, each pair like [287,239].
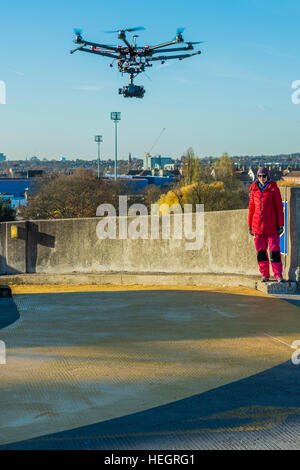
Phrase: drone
[133,59]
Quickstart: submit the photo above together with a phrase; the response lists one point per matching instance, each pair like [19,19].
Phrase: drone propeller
[179,32]
[138,28]
[197,42]
[78,32]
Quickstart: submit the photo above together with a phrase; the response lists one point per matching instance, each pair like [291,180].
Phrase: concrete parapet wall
[71,245]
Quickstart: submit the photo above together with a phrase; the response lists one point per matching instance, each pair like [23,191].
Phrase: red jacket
[265,209]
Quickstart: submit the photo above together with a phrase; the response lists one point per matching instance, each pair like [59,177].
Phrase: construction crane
[148,154]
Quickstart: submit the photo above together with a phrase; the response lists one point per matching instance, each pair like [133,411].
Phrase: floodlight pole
[116,117]
[98,140]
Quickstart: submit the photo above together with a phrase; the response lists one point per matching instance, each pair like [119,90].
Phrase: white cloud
[262,108]
[17,72]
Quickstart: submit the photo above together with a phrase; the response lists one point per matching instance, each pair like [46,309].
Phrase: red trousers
[261,245]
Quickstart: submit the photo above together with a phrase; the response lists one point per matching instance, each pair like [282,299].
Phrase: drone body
[132,59]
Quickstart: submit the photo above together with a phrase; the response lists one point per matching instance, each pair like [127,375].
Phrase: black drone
[132,59]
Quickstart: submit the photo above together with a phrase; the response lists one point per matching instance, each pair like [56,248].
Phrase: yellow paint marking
[47,289]
[14,231]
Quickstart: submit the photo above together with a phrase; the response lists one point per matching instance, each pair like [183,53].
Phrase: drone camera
[132,91]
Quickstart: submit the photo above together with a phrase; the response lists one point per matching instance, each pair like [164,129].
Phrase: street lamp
[98,140]
[116,117]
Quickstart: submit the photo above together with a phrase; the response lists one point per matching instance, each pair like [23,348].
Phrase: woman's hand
[250,232]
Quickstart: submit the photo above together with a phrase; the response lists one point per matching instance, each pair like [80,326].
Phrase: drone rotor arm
[177,56]
[102,46]
[174,49]
[165,44]
[103,53]
[78,48]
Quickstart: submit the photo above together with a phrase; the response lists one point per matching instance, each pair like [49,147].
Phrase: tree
[70,196]
[215,197]
[225,171]
[7,214]
[194,170]
[218,188]
[150,195]
[189,166]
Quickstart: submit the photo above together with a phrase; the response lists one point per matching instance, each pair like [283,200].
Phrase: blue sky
[234,97]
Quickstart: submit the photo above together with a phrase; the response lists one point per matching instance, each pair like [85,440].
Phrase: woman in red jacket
[266,222]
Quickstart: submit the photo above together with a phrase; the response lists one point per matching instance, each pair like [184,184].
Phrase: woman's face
[262,178]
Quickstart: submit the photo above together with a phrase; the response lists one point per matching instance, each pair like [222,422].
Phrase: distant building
[293,177]
[172,166]
[2,157]
[133,184]
[25,173]
[15,186]
[251,174]
[143,179]
[15,191]
[146,165]
[6,197]
[35,159]
[156,162]
[15,202]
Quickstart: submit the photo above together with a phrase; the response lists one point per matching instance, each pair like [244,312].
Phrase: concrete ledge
[117,278]
[277,288]
[146,279]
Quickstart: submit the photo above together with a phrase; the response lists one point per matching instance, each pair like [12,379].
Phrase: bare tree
[69,196]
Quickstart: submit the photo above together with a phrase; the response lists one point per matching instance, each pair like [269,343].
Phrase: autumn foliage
[217,187]
[69,196]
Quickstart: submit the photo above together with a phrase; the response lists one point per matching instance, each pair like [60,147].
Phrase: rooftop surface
[158,368]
